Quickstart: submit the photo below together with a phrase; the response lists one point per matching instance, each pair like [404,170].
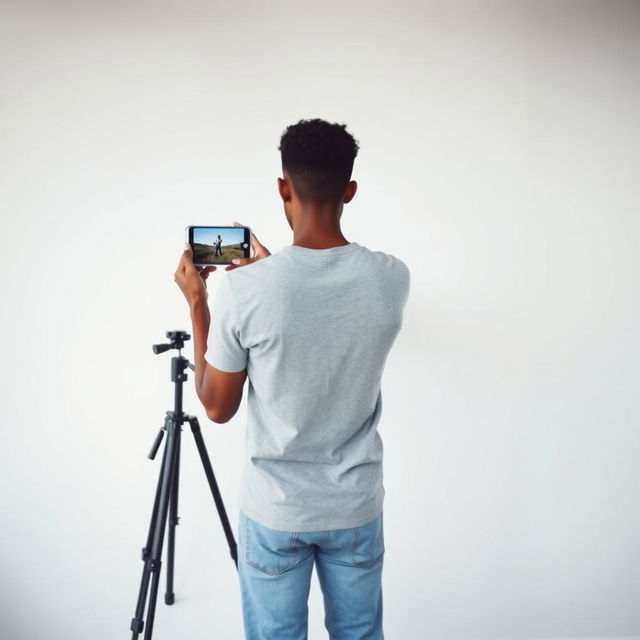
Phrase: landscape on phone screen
[217,244]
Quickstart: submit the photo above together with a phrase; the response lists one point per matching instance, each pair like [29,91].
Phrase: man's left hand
[192,280]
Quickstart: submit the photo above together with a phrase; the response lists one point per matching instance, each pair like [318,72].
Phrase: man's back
[316,326]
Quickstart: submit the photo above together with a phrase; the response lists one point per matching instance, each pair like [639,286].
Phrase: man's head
[317,161]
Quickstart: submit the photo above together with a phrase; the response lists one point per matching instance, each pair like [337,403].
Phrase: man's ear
[284,189]
[350,191]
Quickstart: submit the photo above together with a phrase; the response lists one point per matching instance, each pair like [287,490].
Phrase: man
[311,327]
[218,245]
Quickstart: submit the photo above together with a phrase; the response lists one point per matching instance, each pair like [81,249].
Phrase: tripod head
[180,363]
[178,376]
[177,338]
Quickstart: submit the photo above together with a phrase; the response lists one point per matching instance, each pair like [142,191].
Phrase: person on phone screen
[218,244]
[311,327]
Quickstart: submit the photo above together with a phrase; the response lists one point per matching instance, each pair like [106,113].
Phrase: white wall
[499,159]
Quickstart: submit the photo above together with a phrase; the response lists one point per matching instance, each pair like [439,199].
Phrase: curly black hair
[318,156]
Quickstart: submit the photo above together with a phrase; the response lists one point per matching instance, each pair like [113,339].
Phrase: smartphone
[218,245]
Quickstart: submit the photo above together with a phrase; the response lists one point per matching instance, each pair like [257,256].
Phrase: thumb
[240,262]
[187,257]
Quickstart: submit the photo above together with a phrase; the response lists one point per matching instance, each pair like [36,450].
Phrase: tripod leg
[153,563]
[137,623]
[163,508]
[170,596]
[204,456]
[156,501]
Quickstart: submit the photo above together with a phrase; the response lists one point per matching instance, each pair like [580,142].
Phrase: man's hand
[259,252]
[191,279]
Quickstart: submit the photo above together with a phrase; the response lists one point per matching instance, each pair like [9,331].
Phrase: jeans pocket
[268,550]
[367,543]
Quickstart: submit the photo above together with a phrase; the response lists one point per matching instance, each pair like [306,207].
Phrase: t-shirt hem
[319,524]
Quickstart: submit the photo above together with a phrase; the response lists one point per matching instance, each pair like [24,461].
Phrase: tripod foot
[169,598]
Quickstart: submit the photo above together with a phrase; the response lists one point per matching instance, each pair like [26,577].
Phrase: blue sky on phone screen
[207,235]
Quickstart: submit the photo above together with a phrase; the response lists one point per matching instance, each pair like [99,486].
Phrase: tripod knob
[161,348]
[156,444]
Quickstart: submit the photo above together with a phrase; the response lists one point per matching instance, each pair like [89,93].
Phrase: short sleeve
[408,289]
[405,282]
[224,349]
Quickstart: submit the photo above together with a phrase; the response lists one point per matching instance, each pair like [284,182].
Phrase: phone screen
[219,245]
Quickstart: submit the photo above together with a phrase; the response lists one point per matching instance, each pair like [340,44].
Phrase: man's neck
[319,239]
[318,230]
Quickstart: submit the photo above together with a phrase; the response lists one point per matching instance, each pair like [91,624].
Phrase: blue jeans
[275,577]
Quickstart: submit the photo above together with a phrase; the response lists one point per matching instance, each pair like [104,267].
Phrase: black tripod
[167,490]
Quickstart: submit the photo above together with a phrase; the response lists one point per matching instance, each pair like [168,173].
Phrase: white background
[499,158]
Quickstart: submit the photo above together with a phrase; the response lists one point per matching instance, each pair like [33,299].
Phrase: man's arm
[219,391]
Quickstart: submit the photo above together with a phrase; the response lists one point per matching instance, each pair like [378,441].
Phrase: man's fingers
[206,271]
[255,243]
[237,224]
[259,251]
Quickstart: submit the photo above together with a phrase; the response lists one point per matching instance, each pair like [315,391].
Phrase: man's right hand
[259,252]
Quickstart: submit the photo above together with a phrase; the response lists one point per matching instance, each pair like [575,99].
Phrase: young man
[218,245]
[311,327]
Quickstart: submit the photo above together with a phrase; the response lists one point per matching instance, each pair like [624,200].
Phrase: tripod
[166,497]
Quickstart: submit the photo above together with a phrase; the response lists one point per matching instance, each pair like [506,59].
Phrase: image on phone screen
[219,245]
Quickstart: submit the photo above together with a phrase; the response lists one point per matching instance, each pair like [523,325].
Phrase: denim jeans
[275,578]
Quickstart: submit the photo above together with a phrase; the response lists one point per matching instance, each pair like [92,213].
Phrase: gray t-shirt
[313,327]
